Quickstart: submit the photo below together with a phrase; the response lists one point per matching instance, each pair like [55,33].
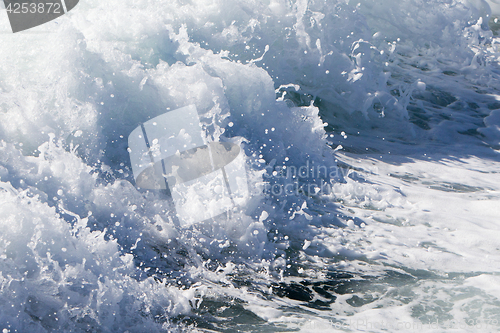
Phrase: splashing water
[370,131]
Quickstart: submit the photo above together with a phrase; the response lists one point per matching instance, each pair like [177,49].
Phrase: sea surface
[371,136]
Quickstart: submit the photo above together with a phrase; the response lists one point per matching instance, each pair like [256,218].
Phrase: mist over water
[370,132]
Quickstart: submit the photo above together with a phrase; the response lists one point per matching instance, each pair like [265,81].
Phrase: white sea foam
[369,130]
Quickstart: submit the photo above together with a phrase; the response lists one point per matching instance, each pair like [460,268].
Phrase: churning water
[371,136]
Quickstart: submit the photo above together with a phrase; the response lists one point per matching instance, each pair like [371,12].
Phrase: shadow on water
[305,297]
